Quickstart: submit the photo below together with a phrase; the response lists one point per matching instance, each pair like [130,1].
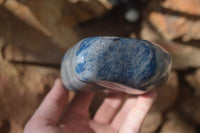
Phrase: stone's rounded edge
[84,44]
[68,74]
[164,64]
[150,68]
[120,87]
[79,60]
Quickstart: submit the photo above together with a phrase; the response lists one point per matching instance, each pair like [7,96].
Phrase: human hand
[52,116]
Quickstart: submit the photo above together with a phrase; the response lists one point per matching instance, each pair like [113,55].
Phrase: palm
[109,118]
[76,124]
[81,124]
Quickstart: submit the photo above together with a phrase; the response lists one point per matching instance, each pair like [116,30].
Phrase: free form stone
[113,62]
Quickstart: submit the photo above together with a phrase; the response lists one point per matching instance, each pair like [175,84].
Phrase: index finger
[137,113]
[51,109]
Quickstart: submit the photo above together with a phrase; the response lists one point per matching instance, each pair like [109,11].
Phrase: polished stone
[115,63]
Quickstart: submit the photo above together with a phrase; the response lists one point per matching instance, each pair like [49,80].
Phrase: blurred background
[35,34]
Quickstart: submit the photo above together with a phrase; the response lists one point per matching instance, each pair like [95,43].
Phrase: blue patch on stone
[86,44]
[80,68]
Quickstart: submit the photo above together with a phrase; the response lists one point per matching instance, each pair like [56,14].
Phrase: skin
[53,116]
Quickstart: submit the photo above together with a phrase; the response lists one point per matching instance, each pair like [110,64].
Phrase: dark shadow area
[195,43]
[5,126]
[104,26]
[198,129]
[179,14]
[114,22]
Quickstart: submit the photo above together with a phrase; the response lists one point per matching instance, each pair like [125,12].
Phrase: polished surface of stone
[134,63]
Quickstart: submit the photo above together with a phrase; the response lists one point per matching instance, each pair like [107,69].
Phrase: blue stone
[131,65]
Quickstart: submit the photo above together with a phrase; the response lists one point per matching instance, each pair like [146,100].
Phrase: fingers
[109,108]
[80,104]
[78,107]
[121,115]
[137,113]
[51,108]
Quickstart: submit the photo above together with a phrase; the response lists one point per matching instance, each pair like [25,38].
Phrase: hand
[53,117]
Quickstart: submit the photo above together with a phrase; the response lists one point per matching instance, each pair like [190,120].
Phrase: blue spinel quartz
[131,64]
